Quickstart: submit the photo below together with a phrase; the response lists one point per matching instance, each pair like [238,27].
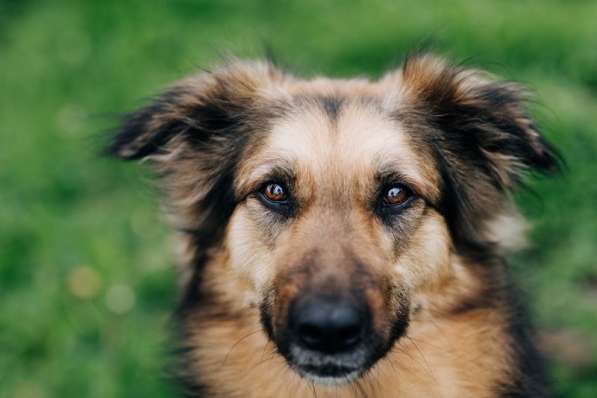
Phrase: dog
[346,237]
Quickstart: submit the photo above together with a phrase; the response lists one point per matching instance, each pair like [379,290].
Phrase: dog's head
[338,201]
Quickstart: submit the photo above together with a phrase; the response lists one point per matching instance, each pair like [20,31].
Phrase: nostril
[350,335]
[311,335]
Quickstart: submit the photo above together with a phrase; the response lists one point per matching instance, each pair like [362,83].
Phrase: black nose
[328,324]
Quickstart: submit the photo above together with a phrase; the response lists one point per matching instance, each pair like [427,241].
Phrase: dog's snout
[328,324]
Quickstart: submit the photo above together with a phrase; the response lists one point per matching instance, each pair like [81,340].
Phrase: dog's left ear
[481,134]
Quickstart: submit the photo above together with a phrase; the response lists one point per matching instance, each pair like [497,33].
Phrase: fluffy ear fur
[193,135]
[199,107]
[482,138]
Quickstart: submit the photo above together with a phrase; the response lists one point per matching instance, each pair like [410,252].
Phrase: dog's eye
[275,192]
[396,195]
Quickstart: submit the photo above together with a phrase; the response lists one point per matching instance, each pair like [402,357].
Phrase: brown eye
[396,195]
[275,192]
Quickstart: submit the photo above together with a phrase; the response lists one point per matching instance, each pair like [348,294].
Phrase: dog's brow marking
[331,105]
[269,165]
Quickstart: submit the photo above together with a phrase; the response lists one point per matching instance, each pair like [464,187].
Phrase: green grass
[86,278]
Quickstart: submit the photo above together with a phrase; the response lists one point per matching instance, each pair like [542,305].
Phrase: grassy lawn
[86,278]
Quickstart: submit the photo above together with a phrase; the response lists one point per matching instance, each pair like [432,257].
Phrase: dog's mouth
[329,369]
[329,375]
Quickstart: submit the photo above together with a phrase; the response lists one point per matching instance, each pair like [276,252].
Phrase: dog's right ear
[193,136]
[195,110]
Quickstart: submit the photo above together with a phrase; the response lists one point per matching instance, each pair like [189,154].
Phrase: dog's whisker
[313,389]
[426,364]
[237,343]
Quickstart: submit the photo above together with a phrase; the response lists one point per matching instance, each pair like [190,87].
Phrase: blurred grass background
[86,278]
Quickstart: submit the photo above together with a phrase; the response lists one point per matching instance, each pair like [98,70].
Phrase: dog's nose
[328,324]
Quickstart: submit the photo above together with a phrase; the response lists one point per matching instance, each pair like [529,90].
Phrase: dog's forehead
[351,138]
[316,139]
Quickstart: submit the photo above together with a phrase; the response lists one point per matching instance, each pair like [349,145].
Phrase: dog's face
[338,203]
[335,227]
